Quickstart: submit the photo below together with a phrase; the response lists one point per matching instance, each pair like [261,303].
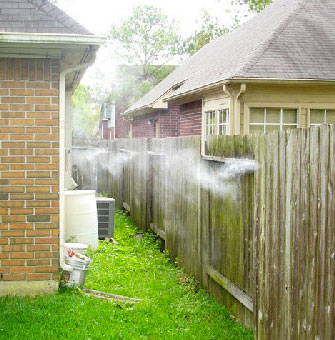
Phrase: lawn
[173,306]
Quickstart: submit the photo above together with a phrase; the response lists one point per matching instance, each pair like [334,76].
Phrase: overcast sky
[98,15]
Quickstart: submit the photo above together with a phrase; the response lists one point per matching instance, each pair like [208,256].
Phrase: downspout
[62,110]
[234,93]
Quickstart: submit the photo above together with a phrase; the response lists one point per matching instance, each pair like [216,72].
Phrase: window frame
[281,123]
[209,127]
[215,126]
[324,115]
[318,106]
[249,105]
[225,125]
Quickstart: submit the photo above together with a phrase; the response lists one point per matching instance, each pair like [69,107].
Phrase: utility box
[106,212]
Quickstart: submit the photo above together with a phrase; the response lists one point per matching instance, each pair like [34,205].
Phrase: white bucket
[74,278]
[77,276]
[77,263]
[81,218]
[79,248]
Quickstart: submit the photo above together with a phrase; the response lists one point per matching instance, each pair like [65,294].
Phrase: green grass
[173,306]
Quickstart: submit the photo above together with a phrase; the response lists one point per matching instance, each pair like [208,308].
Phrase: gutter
[227,81]
[272,81]
[279,81]
[150,107]
[62,106]
[194,91]
[47,38]
[140,111]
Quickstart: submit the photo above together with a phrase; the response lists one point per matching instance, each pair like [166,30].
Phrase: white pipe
[62,110]
[114,108]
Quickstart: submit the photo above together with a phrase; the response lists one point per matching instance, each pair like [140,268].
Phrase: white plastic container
[81,219]
[77,276]
[79,248]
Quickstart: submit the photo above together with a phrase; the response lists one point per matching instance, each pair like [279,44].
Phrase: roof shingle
[36,16]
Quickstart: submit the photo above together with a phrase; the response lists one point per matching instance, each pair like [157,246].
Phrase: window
[210,123]
[217,122]
[263,120]
[223,123]
[322,116]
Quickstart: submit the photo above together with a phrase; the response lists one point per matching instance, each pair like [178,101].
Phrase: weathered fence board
[176,198]
[230,225]
[330,278]
[262,242]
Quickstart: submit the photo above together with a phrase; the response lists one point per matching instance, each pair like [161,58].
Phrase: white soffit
[24,52]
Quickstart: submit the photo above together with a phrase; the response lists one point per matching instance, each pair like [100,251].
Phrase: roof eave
[51,38]
[194,92]
[155,106]
[140,111]
[279,81]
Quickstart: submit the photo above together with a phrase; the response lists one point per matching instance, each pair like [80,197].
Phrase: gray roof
[36,16]
[290,39]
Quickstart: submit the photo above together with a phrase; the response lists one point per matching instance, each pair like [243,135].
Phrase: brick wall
[122,126]
[190,118]
[29,244]
[106,132]
[167,121]
[183,120]
[141,127]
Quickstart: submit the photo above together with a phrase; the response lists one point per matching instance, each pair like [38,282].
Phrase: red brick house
[156,124]
[112,125]
[275,72]
[122,126]
[107,121]
[43,55]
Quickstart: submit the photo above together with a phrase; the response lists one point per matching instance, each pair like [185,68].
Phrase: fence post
[204,225]
[149,189]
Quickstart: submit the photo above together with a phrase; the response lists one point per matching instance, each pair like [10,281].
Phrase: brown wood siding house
[43,54]
[275,72]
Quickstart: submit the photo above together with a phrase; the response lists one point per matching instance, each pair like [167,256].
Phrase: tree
[254,5]
[143,44]
[86,113]
[128,88]
[148,37]
[210,29]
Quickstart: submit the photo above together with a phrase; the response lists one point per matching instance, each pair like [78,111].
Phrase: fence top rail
[86,147]
[124,151]
[158,154]
[213,159]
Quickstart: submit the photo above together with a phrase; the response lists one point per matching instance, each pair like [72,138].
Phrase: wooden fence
[259,235]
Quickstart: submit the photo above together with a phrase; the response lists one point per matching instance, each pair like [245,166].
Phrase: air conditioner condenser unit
[106,212]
